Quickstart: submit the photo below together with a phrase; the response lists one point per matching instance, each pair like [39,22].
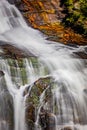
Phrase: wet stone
[1,73]
[47,120]
[69,128]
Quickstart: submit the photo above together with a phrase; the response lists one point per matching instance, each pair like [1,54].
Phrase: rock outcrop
[60,20]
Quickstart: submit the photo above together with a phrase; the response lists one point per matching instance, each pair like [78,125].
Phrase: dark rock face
[47,120]
[67,128]
[14,1]
[1,73]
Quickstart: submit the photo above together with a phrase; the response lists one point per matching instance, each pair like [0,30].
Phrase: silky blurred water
[68,71]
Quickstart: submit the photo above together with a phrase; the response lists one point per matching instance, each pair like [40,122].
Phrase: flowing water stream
[69,96]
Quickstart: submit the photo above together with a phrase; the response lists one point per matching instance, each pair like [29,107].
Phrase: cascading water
[69,98]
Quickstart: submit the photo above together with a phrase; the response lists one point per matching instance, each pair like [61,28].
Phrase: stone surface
[11,51]
[33,100]
[47,120]
[48,17]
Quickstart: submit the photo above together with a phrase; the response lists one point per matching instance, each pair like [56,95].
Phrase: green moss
[76,16]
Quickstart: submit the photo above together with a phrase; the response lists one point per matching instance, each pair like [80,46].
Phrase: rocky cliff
[63,21]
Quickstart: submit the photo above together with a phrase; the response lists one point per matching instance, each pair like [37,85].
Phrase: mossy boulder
[33,99]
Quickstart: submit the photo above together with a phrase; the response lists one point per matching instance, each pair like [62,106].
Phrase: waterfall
[69,73]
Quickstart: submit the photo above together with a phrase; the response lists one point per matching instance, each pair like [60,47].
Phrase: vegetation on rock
[62,21]
[76,15]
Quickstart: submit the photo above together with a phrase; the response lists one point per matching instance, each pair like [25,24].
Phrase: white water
[18,99]
[69,72]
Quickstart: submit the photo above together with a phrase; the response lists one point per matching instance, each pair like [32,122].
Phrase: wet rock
[81,55]
[50,117]
[85,91]
[42,118]
[73,45]
[47,120]
[14,1]
[30,115]
[33,100]
[69,128]
[26,91]
[1,73]
[10,51]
